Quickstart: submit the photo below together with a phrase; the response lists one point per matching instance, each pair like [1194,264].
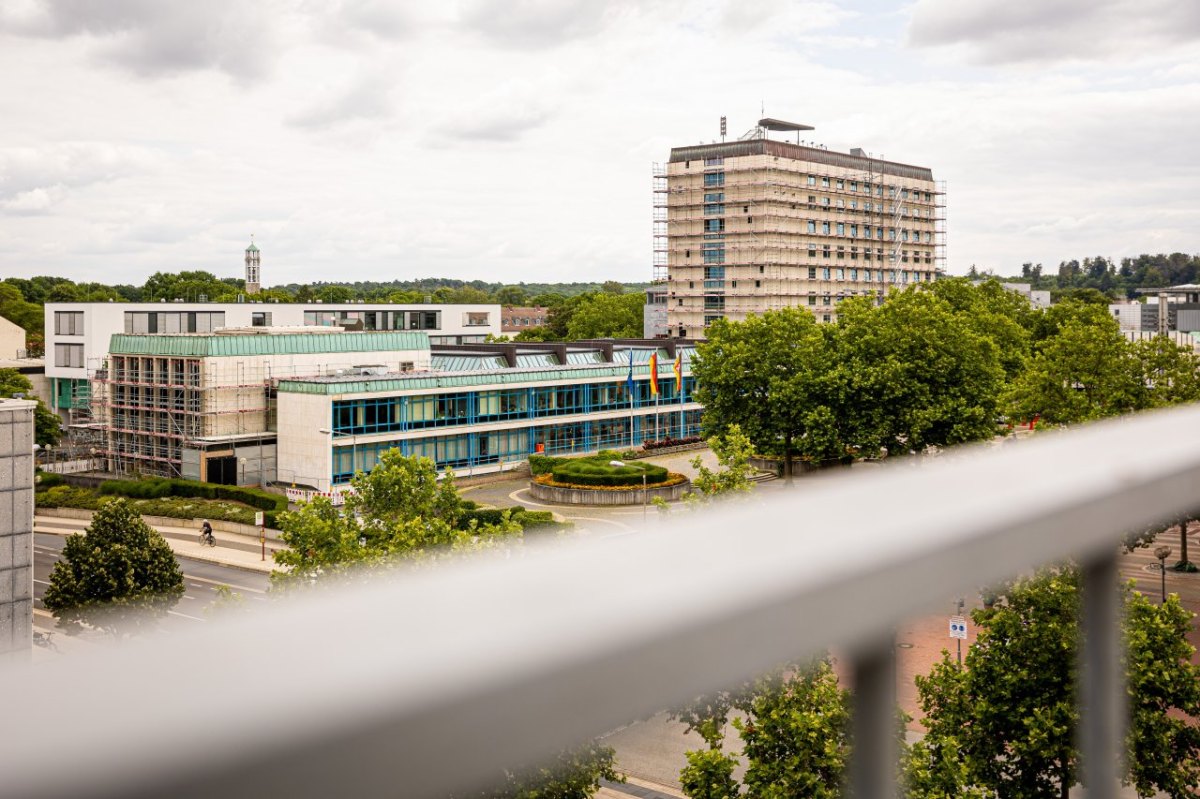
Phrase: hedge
[544,464]
[66,496]
[596,471]
[49,480]
[161,487]
[528,519]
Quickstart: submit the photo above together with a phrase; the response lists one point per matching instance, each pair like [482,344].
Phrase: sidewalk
[232,549]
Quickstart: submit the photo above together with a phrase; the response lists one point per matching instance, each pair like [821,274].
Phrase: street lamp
[619,464]
[1162,553]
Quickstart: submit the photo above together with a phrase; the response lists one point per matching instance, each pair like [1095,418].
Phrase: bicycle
[207,538]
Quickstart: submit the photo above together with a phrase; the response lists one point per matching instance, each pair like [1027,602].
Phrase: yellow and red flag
[677,368]
[654,374]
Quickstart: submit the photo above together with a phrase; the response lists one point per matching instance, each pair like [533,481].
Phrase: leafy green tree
[607,316]
[47,428]
[511,295]
[400,509]
[775,376]
[119,576]
[1003,724]
[572,774]
[916,374]
[992,311]
[335,294]
[1165,373]
[1082,372]
[16,309]
[733,451]
[612,287]
[188,285]
[793,723]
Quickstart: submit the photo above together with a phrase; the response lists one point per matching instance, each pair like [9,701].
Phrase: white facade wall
[101,320]
[304,454]
[12,340]
[1127,314]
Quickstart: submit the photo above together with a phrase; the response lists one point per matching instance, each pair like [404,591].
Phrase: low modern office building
[78,333]
[311,407]
[482,409]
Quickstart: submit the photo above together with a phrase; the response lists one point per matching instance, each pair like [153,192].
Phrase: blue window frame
[714,179]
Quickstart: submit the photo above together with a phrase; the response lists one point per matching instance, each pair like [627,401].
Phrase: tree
[401,509]
[511,295]
[572,774]
[1003,725]
[607,316]
[47,429]
[733,451]
[775,377]
[1166,373]
[612,287]
[916,374]
[119,576]
[794,731]
[1082,372]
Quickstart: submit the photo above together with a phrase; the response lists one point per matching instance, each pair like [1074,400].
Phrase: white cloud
[1038,31]
[512,141]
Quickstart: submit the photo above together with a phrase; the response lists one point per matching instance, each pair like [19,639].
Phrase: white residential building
[78,333]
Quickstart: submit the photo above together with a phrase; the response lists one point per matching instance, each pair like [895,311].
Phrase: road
[200,585]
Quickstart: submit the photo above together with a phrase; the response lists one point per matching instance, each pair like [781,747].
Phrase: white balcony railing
[432,683]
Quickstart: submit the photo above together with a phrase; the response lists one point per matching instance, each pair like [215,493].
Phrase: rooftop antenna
[722,129]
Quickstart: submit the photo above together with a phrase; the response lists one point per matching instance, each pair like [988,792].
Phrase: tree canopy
[47,428]
[401,509]
[1003,723]
[120,575]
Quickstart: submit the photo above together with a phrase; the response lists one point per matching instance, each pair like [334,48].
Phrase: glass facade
[462,446]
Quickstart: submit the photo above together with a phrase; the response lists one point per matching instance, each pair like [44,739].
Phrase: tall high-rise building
[756,224]
[253,276]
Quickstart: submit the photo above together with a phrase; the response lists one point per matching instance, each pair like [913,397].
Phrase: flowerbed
[672,479]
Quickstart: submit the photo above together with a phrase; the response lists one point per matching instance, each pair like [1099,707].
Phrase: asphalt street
[200,585]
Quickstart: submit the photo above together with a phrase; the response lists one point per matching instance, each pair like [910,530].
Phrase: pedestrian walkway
[232,549]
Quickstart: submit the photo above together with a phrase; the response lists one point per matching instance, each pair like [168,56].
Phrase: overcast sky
[511,140]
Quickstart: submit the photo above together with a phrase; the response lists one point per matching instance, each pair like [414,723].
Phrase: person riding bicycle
[206,531]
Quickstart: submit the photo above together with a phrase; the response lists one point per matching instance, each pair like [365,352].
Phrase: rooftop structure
[253,272]
[745,226]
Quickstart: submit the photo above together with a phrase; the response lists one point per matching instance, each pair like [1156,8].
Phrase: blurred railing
[433,682]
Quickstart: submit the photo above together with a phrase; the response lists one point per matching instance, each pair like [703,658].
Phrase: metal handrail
[435,680]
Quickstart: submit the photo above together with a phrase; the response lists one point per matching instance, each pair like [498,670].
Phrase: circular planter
[606,496]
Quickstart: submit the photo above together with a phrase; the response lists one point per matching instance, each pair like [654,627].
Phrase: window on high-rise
[841,228]
[714,161]
[841,184]
[812,180]
[714,225]
[825,228]
[812,226]
[715,197]
[825,273]
[714,179]
[712,208]
[824,183]
[812,273]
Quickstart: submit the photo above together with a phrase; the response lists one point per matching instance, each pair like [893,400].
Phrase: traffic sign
[260,519]
[958,627]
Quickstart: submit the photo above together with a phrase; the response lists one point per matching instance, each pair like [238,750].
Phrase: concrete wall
[12,339]
[16,528]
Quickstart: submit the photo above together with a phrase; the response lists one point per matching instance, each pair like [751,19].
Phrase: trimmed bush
[596,471]
[161,487]
[49,480]
[544,464]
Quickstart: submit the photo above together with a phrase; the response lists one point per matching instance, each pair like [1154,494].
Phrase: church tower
[253,282]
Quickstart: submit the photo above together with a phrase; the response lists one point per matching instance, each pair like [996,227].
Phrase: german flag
[654,374]
[677,368]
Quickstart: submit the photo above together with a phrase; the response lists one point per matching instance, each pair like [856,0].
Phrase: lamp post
[620,464]
[1162,553]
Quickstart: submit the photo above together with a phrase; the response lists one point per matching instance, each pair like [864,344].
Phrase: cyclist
[206,535]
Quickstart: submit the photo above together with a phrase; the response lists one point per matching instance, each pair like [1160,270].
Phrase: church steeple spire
[253,275]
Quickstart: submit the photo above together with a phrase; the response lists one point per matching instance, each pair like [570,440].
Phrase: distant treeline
[1092,277]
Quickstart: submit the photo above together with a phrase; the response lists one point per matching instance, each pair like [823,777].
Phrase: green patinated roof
[200,346]
[252,248]
[417,382]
